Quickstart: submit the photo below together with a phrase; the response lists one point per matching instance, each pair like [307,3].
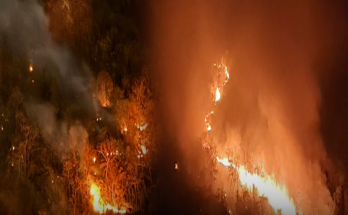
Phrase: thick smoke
[24,28]
[270,109]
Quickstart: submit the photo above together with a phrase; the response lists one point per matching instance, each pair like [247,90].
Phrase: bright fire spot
[176,166]
[223,161]
[31,68]
[226,73]
[13,147]
[125,129]
[143,149]
[99,205]
[217,95]
[94,159]
[143,127]
[208,127]
[2,128]
[266,186]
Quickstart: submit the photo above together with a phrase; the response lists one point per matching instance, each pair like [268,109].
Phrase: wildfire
[100,206]
[266,185]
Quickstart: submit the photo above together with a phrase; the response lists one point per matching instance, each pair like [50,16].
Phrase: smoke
[24,28]
[269,110]
[59,133]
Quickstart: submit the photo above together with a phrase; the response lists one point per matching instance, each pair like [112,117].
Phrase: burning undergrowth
[264,153]
[265,120]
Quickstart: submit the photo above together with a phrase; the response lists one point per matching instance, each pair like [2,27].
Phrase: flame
[99,205]
[217,95]
[31,68]
[223,161]
[266,185]
[143,149]
[94,159]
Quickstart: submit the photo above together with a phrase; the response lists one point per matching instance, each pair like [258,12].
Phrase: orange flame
[100,206]
[277,195]
[266,186]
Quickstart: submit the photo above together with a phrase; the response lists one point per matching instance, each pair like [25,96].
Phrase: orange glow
[31,68]
[99,205]
[94,159]
[266,185]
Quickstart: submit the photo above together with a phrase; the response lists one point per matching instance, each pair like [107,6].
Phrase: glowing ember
[13,147]
[125,129]
[143,127]
[176,166]
[143,149]
[100,206]
[94,159]
[32,81]
[208,127]
[31,68]
[217,95]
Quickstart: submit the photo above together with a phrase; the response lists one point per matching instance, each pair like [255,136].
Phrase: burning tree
[104,88]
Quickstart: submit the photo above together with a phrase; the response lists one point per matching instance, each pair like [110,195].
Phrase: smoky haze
[24,28]
[270,109]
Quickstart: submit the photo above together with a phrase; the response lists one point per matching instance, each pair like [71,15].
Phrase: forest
[59,139]
[82,129]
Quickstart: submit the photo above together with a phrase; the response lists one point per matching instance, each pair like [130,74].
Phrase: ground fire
[100,206]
